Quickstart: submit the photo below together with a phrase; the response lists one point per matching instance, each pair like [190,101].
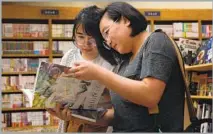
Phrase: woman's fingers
[62,113]
[52,112]
[66,114]
[71,72]
[69,114]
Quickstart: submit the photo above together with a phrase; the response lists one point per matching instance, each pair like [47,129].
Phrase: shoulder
[159,40]
[160,43]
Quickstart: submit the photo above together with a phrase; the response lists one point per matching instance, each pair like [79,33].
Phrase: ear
[125,21]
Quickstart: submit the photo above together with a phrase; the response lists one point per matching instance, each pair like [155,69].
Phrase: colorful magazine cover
[51,87]
[186,45]
[204,53]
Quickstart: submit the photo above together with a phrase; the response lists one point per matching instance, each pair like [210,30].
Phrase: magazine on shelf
[52,87]
[204,53]
[187,45]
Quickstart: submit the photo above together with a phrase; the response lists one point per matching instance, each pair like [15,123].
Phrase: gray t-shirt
[156,59]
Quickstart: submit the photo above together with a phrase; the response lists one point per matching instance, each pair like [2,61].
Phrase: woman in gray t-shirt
[148,91]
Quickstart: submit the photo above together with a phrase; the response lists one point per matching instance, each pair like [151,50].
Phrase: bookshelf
[14,14]
[66,16]
[4,110]
[24,39]
[202,97]
[24,56]
[18,73]
[25,128]
[62,39]
[12,92]
[199,69]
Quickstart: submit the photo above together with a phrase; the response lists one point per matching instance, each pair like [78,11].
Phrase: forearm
[132,90]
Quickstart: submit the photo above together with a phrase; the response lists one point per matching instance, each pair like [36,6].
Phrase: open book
[51,87]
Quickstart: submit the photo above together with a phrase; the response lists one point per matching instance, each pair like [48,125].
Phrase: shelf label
[152,13]
[49,12]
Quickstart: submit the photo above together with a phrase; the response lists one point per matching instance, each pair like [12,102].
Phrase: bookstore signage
[152,13]
[49,12]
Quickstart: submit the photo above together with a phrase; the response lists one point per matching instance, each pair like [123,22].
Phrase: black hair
[117,10]
[89,18]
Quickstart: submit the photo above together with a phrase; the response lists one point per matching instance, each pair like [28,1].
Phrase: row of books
[65,30]
[24,30]
[61,47]
[180,29]
[201,84]
[13,101]
[15,83]
[17,100]
[62,30]
[21,64]
[206,31]
[25,47]
[21,119]
[185,30]
[36,47]
[204,111]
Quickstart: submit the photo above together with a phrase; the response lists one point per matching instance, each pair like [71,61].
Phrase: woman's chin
[121,51]
[86,50]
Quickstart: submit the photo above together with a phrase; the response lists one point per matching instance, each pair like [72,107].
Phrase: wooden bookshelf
[197,68]
[11,92]
[24,56]
[202,97]
[17,73]
[22,109]
[24,39]
[14,13]
[193,38]
[205,38]
[57,55]
[28,128]
[201,67]
[62,39]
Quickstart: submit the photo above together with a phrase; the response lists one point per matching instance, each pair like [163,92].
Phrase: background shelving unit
[197,68]
[201,67]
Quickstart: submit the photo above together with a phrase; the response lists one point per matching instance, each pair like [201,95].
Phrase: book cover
[187,45]
[204,53]
[51,87]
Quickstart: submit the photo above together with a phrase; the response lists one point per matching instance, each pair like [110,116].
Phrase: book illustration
[204,53]
[53,86]
[47,75]
[187,45]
